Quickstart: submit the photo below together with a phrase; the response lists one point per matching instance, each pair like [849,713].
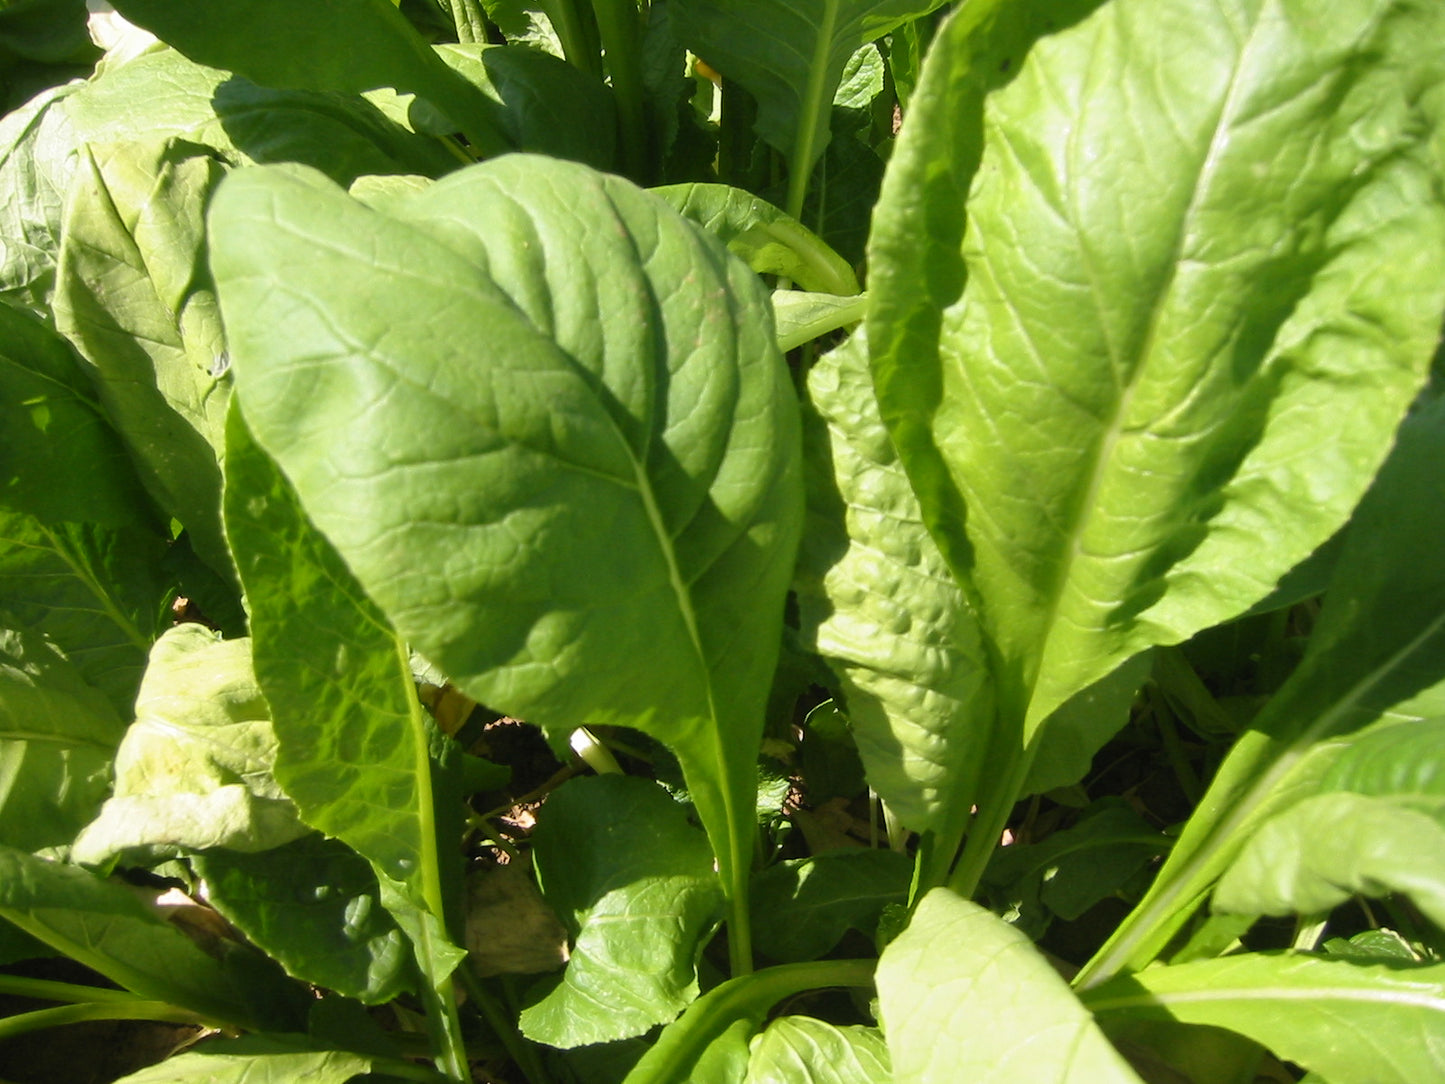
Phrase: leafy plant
[1048,639]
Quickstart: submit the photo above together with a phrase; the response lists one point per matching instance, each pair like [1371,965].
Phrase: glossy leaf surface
[964,996]
[804,1050]
[567,471]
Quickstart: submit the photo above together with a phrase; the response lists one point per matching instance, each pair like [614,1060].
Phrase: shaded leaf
[632,880]
[804,906]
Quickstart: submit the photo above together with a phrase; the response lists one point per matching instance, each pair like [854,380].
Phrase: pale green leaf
[542,419]
[962,995]
[802,1050]
[36,164]
[194,769]
[1345,1020]
[632,879]
[802,317]
[880,604]
[1154,364]
[279,44]
[314,907]
[256,1059]
[767,240]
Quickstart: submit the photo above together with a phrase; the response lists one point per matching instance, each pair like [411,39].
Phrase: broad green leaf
[351,750]
[802,1050]
[95,593]
[1155,362]
[194,769]
[804,906]
[766,239]
[540,102]
[790,55]
[314,907]
[163,94]
[1340,1018]
[878,602]
[60,458]
[632,880]
[257,1059]
[108,928]
[280,44]
[964,996]
[131,294]
[1378,826]
[36,149]
[542,420]
[51,31]
[58,737]
[1377,651]
[524,22]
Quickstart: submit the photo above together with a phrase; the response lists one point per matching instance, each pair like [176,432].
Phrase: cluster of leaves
[518,349]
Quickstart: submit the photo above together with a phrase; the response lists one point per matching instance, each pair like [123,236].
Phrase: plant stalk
[619,27]
[159,1011]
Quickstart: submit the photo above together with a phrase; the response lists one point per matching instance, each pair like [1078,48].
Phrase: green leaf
[802,317]
[314,907]
[95,593]
[132,295]
[1377,652]
[1339,1018]
[632,880]
[60,459]
[278,44]
[1378,826]
[35,170]
[257,1059]
[194,769]
[163,94]
[766,239]
[351,751]
[1199,402]
[540,102]
[58,737]
[964,996]
[804,906]
[802,1050]
[790,55]
[880,605]
[593,520]
[50,31]
[108,928]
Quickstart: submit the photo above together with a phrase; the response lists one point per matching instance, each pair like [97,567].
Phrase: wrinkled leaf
[804,906]
[36,163]
[632,880]
[590,518]
[1342,1019]
[194,769]
[1131,401]
[314,907]
[964,996]
[802,1050]
[880,605]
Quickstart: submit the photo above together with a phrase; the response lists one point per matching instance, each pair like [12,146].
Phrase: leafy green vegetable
[194,769]
[629,390]
[803,1050]
[803,907]
[632,881]
[963,995]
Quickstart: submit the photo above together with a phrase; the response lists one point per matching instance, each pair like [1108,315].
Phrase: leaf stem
[749,998]
[617,22]
[50,990]
[161,1011]
[501,1023]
